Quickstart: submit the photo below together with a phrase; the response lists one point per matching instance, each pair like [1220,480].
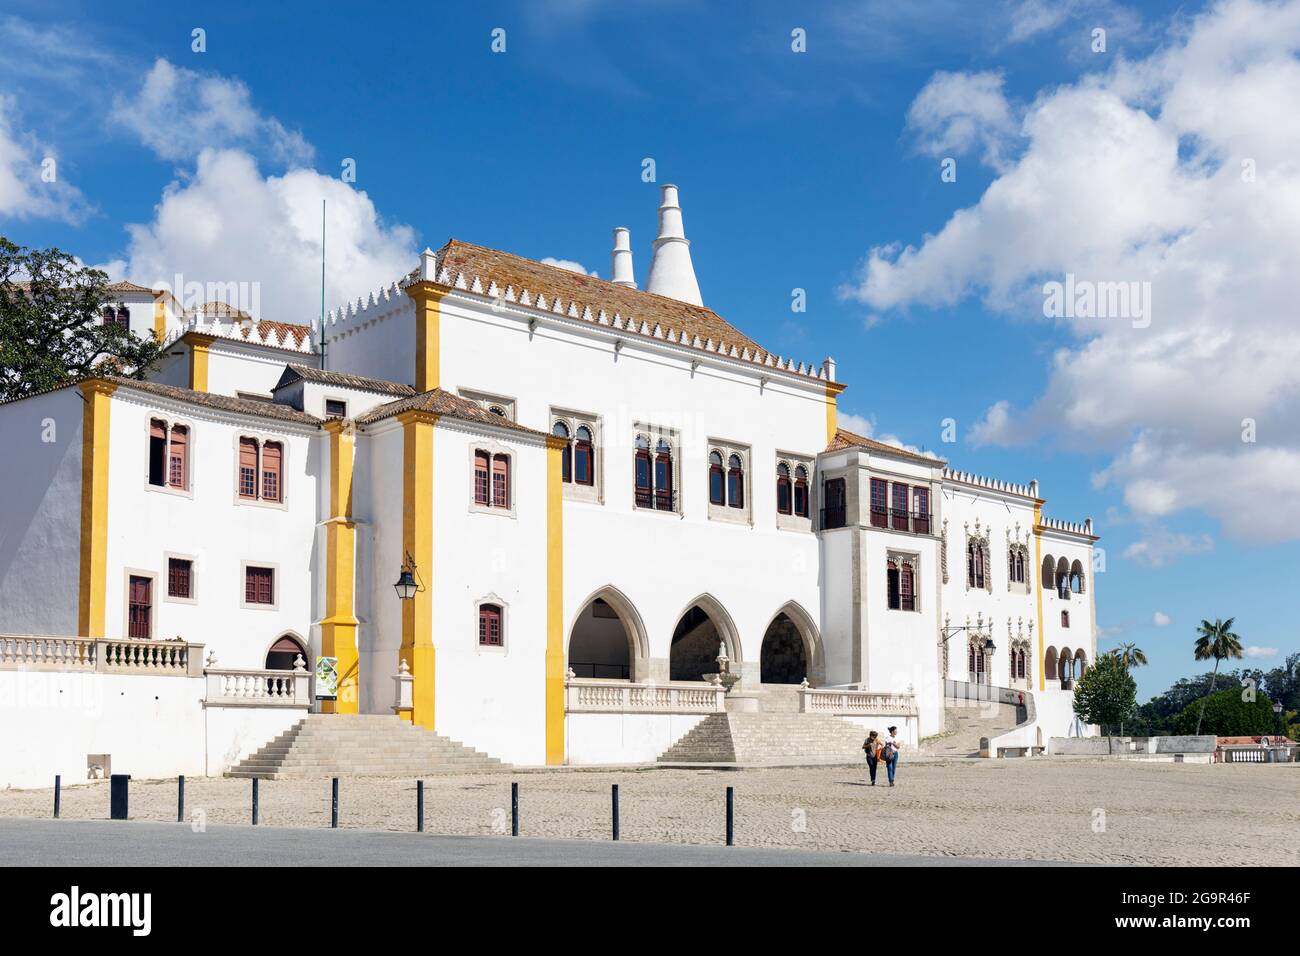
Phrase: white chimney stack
[671,271]
[621,259]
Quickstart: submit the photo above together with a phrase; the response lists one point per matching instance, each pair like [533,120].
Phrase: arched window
[1076,577]
[1016,565]
[716,483]
[489,625]
[783,495]
[644,485]
[735,482]
[482,469]
[663,476]
[272,459]
[1065,619]
[561,430]
[1063,579]
[498,410]
[801,491]
[169,460]
[1049,573]
[584,457]
[906,590]
[500,481]
[178,457]
[975,570]
[248,468]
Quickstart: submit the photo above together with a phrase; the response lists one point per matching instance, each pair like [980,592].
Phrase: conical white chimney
[621,259]
[671,271]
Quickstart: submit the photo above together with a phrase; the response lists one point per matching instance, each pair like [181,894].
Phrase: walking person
[892,746]
[872,747]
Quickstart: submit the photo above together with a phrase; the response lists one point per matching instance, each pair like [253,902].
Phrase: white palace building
[522,507]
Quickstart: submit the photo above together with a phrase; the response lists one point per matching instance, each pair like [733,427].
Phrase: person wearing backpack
[872,746]
[892,746]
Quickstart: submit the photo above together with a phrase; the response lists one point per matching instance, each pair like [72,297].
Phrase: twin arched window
[792,490]
[169,455]
[491,479]
[261,470]
[579,455]
[976,572]
[1016,565]
[653,474]
[726,483]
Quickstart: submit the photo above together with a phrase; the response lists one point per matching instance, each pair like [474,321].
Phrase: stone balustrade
[590,696]
[228,687]
[35,652]
[823,700]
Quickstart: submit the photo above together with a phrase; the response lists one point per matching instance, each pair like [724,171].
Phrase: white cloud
[866,427]
[1136,174]
[229,223]
[1254,651]
[570,265]
[25,192]
[1160,619]
[178,113]
[1159,546]
[960,114]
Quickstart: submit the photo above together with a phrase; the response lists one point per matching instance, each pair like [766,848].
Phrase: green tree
[51,328]
[1106,694]
[1217,641]
[1130,655]
[1228,714]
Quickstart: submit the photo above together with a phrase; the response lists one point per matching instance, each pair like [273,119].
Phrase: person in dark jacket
[871,746]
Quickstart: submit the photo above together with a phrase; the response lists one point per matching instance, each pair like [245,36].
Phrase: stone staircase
[967,722]
[324,745]
[778,698]
[769,738]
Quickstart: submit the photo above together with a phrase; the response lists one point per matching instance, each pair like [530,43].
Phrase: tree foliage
[1228,713]
[51,328]
[1106,694]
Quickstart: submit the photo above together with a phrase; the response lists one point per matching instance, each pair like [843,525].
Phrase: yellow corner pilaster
[339,628]
[159,318]
[554,601]
[417,542]
[1037,577]
[428,317]
[833,390]
[94,506]
[199,345]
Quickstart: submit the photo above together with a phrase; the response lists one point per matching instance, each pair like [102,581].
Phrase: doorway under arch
[701,631]
[606,640]
[284,652]
[783,658]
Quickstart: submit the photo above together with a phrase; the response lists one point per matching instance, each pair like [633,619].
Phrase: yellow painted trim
[159,319]
[93,575]
[199,360]
[339,628]
[832,420]
[1038,589]
[554,603]
[428,318]
[417,541]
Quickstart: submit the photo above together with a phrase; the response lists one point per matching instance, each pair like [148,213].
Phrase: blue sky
[793,168]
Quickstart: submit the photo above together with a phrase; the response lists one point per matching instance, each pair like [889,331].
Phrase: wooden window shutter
[247,468]
[272,479]
[178,463]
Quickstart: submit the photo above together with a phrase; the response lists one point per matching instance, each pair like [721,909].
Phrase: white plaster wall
[233,733]
[837,604]
[377,506]
[252,369]
[384,348]
[211,526]
[40,523]
[592,739]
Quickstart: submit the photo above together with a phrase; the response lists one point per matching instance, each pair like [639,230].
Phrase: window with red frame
[717,484]
[584,457]
[272,462]
[248,468]
[259,585]
[489,625]
[500,481]
[906,590]
[801,491]
[879,502]
[139,614]
[178,458]
[921,507]
[482,477]
[783,497]
[735,482]
[561,430]
[1065,619]
[180,583]
[899,507]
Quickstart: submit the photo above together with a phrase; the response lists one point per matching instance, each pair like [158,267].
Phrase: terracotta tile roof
[217,307]
[441,402]
[278,332]
[294,373]
[848,439]
[537,277]
[125,286]
[224,403]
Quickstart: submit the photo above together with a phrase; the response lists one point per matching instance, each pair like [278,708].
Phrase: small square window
[180,578]
[336,408]
[259,585]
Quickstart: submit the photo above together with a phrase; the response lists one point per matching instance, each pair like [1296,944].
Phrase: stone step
[768,737]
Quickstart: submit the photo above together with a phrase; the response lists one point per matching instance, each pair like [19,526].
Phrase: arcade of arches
[603,644]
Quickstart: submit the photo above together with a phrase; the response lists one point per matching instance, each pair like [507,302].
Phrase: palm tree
[1130,655]
[1215,640]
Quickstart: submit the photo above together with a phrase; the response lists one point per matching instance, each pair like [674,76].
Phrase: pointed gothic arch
[811,650]
[594,648]
[703,626]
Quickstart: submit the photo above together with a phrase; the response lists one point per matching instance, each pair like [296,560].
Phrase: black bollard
[58,786]
[180,799]
[614,790]
[514,809]
[334,803]
[117,799]
[419,806]
[254,801]
[731,816]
